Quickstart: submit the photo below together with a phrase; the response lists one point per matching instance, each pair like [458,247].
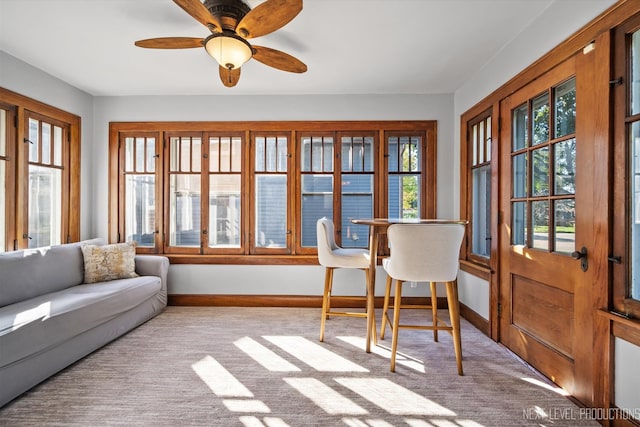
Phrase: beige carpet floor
[226,366]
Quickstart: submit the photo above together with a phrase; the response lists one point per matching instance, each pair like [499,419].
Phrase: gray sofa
[49,318]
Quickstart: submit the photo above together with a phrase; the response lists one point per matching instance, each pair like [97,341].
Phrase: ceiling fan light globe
[229,50]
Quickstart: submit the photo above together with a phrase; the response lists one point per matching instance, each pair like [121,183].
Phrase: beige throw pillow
[109,262]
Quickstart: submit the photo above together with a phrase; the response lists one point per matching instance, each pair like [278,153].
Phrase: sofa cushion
[109,262]
[39,324]
[31,272]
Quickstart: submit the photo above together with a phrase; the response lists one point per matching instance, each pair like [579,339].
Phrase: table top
[389,221]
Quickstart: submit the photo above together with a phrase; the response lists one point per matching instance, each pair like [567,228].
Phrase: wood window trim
[475,264]
[10,171]
[621,303]
[23,105]
[294,129]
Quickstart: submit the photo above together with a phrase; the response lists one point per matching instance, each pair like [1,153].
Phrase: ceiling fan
[231,23]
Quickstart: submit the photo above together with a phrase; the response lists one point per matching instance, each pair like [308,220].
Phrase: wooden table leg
[371,282]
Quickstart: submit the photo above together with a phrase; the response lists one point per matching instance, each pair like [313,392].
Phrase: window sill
[478,270]
[623,327]
[244,259]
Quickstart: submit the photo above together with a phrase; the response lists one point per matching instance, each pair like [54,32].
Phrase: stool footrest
[346,314]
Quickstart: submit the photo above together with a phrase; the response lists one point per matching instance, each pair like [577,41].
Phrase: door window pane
[520,121]
[565,225]
[540,178]
[140,209]
[520,175]
[540,119]
[519,223]
[540,224]
[565,108]
[565,166]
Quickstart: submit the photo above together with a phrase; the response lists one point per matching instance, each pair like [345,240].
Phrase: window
[477,188]
[543,164]
[481,187]
[139,192]
[337,182]
[252,192]
[626,181]
[39,172]
[271,193]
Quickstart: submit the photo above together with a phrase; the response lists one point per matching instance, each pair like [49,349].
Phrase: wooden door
[545,204]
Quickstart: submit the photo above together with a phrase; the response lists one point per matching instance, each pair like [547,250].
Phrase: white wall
[627,376]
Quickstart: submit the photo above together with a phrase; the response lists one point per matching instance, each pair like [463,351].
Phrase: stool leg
[371,331]
[385,307]
[434,310]
[396,322]
[454,315]
[326,296]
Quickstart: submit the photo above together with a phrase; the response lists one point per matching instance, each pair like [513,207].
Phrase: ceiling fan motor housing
[229,12]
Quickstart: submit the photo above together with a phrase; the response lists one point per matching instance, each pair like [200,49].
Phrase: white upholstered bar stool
[332,256]
[424,253]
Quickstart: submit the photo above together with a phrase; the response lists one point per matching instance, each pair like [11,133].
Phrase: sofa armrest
[153,265]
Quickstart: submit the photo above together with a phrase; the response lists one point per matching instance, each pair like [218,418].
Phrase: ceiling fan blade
[229,77]
[170,43]
[268,17]
[201,14]
[277,59]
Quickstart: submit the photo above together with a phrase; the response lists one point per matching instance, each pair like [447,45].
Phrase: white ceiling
[349,46]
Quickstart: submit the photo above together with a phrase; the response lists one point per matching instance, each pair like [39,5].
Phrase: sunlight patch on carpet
[221,382]
[246,405]
[314,355]
[265,357]
[394,398]
[401,359]
[355,422]
[325,397]
[560,391]
[249,421]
